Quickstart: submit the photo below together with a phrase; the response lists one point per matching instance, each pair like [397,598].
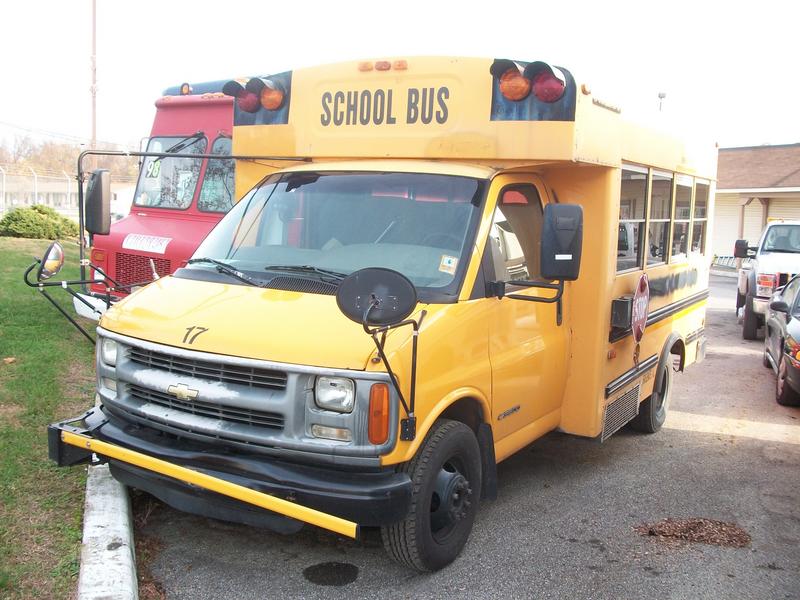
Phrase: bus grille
[620,411]
[212,371]
[200,408]
[132,268]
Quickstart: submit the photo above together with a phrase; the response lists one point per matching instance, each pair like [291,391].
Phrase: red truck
[177,200]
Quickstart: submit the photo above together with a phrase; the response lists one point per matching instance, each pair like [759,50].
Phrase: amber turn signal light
[378,413]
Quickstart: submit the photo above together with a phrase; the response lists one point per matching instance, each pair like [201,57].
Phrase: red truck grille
[132,268]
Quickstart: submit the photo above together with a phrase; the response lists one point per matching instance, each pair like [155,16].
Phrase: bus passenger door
[527,348]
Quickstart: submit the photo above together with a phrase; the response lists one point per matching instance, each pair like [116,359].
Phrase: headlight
[335,393]
[108,352]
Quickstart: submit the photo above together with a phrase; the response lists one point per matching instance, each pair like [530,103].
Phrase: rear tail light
[765,284]
[378,413]
[547,87]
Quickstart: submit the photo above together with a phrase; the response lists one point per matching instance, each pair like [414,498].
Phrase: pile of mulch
[703,531]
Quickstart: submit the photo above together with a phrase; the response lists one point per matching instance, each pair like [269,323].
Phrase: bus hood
[243,321]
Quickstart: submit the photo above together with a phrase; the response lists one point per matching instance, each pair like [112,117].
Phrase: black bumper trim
[631,375]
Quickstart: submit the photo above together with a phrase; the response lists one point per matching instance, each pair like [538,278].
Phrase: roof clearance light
[547,87]
[186,89]
[383,65]
[271,96]
[400,65]
[365,66]
[514,86]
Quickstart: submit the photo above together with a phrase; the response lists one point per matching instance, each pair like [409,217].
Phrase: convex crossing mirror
[376,297]
[51,263]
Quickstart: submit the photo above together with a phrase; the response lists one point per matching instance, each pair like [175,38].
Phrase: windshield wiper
[307,269]
[227,269]
[183,144]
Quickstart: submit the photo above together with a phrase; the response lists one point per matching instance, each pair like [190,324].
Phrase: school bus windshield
[418,224]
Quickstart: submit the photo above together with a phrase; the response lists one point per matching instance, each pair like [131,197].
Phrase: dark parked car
[782,342]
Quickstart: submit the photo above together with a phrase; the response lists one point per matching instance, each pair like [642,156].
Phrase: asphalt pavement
[563,523]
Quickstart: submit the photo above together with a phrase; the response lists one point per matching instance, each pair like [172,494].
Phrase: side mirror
[740,249]
[376,297]
[779,306]
[98,202]
[51,262]
[562,241]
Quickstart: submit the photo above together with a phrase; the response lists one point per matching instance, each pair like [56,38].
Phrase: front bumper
[760,305]
[189,475]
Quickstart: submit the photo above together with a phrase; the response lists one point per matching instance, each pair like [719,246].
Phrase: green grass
[50,378]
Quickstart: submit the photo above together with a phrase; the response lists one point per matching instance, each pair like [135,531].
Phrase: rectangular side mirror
[562,241]
[740,249]
[98,202]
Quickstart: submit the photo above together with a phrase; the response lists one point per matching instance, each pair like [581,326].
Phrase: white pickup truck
[775,260]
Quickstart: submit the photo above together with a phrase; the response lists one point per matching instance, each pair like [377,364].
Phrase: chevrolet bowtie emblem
[182,392]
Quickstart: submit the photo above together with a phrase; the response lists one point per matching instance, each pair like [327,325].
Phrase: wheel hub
[451,499]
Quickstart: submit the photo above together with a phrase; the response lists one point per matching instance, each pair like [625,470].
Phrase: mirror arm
[408,426]
[67,315]
[559,287]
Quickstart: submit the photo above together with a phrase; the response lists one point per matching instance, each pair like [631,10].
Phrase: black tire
[433,533]
[784,394]
[750,322]
[653,411]
[739,301]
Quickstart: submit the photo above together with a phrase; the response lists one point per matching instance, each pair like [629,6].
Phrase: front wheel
[446,484]
[653,411]
[784,394]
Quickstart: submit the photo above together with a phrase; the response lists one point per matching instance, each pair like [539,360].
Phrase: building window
[632,212]
[683,216]
[660,212]
[699,229]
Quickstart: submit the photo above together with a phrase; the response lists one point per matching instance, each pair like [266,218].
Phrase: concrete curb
[108,560]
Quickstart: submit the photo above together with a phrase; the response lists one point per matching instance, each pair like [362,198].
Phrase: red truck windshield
[169,182]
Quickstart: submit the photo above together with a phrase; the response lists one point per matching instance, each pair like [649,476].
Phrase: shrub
[39,222]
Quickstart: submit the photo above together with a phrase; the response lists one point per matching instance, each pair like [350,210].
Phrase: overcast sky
[729,69]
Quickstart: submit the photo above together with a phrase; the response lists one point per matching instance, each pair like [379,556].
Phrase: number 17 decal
[192,333]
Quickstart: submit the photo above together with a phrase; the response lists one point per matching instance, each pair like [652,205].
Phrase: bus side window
[516,233]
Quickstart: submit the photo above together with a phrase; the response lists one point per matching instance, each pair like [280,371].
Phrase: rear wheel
[446,483]
[750,322]
[784,394]
[653,411]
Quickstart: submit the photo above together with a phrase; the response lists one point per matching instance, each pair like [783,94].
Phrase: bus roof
[446,108]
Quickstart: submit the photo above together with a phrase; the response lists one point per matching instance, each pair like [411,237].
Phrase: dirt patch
[703,531]
[147,546]
[9,414]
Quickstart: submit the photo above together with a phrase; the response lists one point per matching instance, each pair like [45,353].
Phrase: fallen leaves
[703,531]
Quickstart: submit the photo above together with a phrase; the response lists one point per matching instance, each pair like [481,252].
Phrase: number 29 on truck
[467,254]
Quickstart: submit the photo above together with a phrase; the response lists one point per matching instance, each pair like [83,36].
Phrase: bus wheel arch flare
[401,298]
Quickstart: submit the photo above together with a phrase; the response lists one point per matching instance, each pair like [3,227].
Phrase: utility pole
[94,80]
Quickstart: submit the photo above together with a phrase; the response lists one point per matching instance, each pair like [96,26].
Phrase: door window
[789,294]
[516,233]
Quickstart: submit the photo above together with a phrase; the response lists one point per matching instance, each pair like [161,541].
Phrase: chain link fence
[24,186]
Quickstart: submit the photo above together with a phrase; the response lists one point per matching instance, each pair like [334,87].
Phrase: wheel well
[679,349]
[465,410]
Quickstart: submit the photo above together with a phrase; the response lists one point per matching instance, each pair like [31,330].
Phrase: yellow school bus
[461,256]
